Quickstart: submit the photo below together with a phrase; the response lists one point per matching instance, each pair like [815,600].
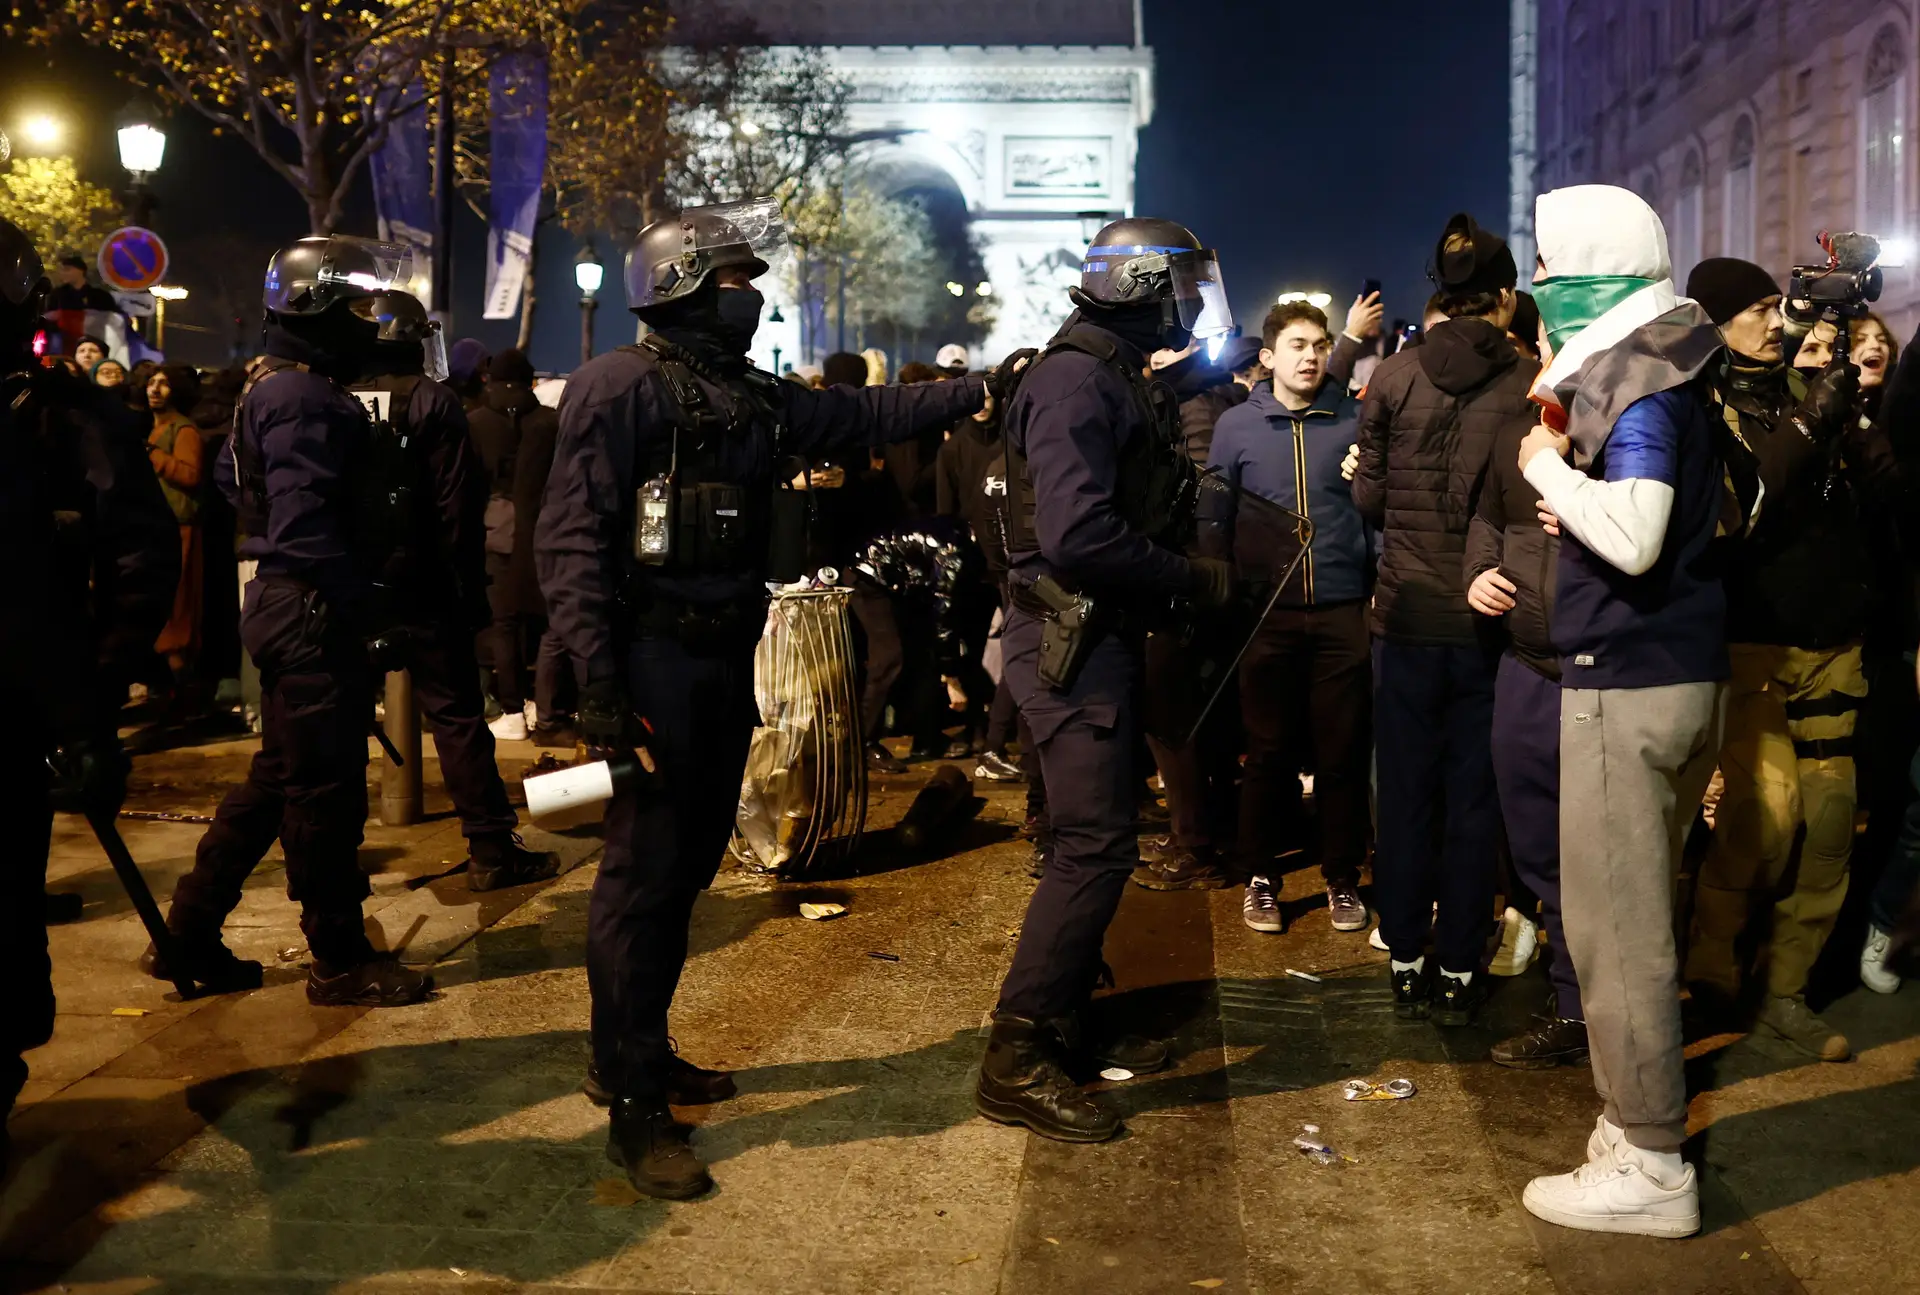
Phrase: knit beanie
[1725,285]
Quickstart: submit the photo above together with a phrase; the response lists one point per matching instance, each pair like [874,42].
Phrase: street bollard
[400,799]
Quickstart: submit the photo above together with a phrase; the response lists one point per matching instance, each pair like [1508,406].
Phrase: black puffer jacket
[1426,433]
[1205,392]
[514,434]
[1506,533]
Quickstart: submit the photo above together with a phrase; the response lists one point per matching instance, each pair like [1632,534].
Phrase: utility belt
[703,629]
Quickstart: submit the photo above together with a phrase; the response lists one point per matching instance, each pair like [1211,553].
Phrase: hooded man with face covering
[1639,619]
[663,522]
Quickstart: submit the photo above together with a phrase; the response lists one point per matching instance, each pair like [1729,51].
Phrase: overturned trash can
[803,800]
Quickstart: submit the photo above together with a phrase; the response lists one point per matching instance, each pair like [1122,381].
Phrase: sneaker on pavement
[1345,907]
[1792,1020]
[1375,940]
[1457,999]
[1412,992]
[1551,1042]
[500,859]
[1260,907]
[1183,869]
[1625,1190]
[995,767]
[881,760]
[1875,974]
[510,727]
[684,1083]
[1519,944]
[532,712]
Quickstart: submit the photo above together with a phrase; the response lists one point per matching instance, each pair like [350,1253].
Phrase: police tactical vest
[388,494]
[714,524]
[1156,487]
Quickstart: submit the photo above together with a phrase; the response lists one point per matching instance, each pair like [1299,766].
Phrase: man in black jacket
[1426,433]
[514,434]
[1798,593]
[1510,571]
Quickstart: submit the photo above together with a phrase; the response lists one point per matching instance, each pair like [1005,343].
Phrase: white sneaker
[1519,944]
[1604,1138]
[1260,907]
[510,727]
[532,713]
[1620,1192]
[1375,940]
[1875,974]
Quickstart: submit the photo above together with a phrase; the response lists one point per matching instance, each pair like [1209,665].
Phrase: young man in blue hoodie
[1306,679]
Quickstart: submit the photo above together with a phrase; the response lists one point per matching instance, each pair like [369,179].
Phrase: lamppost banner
[403,177]
[517,101]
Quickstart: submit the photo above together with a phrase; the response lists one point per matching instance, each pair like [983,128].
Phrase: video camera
[1839,291]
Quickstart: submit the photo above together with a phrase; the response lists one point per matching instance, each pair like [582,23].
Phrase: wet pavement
[254,1143]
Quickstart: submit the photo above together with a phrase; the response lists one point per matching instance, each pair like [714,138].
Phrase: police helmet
[315,274]
[22,275]
[403,321]
[672,257]
[1140,261]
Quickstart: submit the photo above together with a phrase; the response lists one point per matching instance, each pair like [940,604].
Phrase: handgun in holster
[1066,632]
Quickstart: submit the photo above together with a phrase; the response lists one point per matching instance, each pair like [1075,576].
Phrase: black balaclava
[1145,327]
[715,324]
[336,343]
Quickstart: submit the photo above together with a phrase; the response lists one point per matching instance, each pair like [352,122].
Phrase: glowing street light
[163,293]
[983,289]
[957,289]
[42,130]
[143,146]
[588,275]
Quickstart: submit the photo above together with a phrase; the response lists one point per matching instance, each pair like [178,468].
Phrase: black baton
[137,890]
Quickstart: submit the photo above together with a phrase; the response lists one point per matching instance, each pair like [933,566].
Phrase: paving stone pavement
[251,1143]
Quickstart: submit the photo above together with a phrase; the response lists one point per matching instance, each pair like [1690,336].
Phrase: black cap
[1526,319]
[1726,285]
[1471,259]
[1239,353]
[77,262]
[512,365]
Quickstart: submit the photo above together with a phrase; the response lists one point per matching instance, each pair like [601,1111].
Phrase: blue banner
[517,102]
[403,173]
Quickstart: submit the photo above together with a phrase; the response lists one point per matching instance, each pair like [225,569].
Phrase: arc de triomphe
[1029,108]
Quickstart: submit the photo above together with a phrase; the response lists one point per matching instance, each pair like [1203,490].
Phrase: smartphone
[1368,288]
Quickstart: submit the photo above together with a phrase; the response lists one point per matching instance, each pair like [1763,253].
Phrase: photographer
[1798,593]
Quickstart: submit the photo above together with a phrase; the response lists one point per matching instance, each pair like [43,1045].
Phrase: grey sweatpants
[1633,765]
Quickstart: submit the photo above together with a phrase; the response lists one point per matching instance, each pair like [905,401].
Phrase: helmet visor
[756,222]
[1200,295]
[433,353]
[306,280]
[20,268]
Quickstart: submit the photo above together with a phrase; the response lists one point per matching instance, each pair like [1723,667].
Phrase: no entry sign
[133,259]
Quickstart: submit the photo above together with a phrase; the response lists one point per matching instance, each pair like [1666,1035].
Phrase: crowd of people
[1578,590]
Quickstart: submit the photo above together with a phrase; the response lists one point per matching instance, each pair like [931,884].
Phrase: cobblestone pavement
[253,1143]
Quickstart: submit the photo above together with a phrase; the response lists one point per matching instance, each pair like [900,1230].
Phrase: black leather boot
[1099,1049]
[685,1084]
[1023,1081]
[209,963]
[644,1139]
[502,859]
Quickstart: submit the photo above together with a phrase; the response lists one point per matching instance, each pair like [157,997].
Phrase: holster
[1068,624]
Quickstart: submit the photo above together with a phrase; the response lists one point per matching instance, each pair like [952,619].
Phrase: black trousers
[1084,739]
[1306,702]
[872,607]
[1526,768]
[307,784]
[26,1008]
[663,846]
[507,639]
[1438,808]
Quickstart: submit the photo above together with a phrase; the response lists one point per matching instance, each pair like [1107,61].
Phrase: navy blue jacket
[617,412]
[1070,418]
[1293,458]
[1668,625]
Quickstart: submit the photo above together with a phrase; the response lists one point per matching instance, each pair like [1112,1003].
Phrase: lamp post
[776,318]
[162,294]
[1091,223]
[588,275]
[143,146]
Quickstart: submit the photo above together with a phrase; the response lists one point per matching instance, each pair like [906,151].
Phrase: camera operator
[1798,593]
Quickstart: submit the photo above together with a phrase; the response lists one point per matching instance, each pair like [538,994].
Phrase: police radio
[653,513]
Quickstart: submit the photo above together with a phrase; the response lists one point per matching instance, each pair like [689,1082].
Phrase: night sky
[1314,146]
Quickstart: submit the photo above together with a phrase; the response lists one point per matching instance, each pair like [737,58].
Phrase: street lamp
[776,318]
[42,130]
[1091,223]
[143,146]
[163,293]
[588,275]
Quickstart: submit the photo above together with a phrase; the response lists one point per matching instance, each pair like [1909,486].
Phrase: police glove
[90,775]
[609,729]
[1829,402]
[1000,378]
[1210,581]
[389,651]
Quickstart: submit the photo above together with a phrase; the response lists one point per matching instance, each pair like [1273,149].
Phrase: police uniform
[680,420]
[1097,473]
[331,506]
[95,556]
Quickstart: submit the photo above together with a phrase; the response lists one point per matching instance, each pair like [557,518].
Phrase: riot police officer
[1100,491]
[663,522]
[428,586]
[339,513]
[94,555]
